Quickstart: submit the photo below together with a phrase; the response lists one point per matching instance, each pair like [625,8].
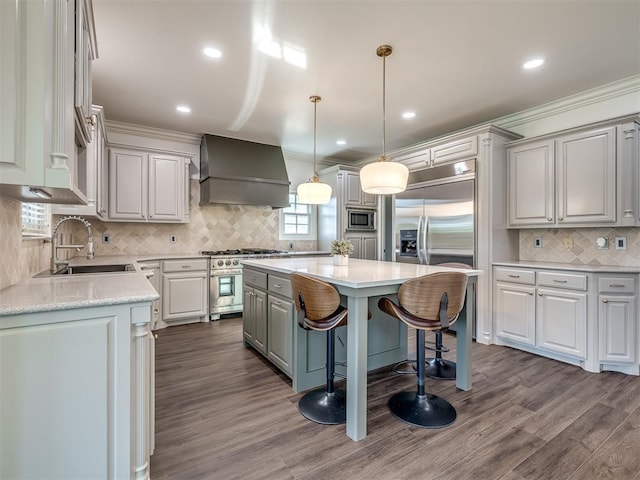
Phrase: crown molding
[603,93]
[150,132]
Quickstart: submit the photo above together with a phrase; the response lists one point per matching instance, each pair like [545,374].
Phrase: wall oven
[361,220]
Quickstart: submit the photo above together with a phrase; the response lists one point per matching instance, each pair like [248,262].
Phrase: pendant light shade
[384,177]
[314,192]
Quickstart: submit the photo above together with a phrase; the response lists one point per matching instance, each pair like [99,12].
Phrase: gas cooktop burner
[242,251]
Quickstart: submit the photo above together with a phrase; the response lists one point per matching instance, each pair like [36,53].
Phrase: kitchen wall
[19,259]
[212,227]
[581,248]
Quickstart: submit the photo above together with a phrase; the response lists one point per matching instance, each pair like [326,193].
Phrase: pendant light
[384,177]
[314,192]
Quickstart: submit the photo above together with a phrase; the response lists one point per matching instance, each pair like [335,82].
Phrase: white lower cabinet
[617,320]
[561,321]
[587,319]
[185,291]
[516,312]
[76,393]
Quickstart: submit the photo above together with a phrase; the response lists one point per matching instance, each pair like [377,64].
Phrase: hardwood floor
[222,412]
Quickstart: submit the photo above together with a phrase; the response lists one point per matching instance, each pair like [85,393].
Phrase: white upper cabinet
[148,187]
[96,165]
[86,51]
[38,79]
[353,194]
[582,177]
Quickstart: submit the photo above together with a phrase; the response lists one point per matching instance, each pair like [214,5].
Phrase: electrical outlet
[602,243]
[172,238]
[106,238]
[621,243]
[537,242]
[568,242]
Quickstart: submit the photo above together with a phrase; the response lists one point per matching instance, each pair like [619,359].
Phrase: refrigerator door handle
[427,259]
[419,241]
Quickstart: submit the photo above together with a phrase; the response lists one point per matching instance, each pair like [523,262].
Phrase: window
[36,220]
[297,221]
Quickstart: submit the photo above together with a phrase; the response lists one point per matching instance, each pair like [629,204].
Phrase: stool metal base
[440,369]
[428,411]
[325,408]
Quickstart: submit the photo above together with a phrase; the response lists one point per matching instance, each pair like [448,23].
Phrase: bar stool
[426,303]
[438,367]
[318,306]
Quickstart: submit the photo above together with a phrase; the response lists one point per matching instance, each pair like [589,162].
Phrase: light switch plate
[621,243]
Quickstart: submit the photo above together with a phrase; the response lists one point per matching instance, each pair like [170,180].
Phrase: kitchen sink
[87,269]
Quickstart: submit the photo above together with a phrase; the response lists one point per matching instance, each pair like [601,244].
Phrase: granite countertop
[569,266]
[44,292]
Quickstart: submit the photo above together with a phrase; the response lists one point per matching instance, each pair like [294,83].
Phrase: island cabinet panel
[76,393]
[618,320]
[270,325]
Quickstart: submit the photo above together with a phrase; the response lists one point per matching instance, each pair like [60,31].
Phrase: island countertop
[357,274]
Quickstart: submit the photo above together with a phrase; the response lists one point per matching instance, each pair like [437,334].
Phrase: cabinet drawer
[185,265]
[516,275]
[573,281]
[257,279]
[616,285]
[280,285]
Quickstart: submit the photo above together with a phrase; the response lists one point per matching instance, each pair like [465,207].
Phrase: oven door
[225,291]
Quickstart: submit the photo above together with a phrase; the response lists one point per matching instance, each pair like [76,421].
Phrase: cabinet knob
[531,293]
[560,219]
[539,294]
[155,335]
[605,301]
[549,219]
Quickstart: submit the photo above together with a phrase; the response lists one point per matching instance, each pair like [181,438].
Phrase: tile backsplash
[579,246]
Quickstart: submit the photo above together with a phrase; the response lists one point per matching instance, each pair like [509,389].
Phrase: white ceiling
[455,63]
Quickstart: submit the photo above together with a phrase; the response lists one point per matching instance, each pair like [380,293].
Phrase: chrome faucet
[54,243]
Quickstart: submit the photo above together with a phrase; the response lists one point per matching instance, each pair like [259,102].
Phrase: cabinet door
[248,314]
[531,184]
[166,195]
[352,190]
[127,185]
[84,55]
[369,248]
[184,295]
[280,328]
[561,319]
[356,240]
[586,177]
[515,312]
[617,328]
[448,152]
[260,303]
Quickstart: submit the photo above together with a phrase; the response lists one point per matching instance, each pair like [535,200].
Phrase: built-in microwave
[361,220]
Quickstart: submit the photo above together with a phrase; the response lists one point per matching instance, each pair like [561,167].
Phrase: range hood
[236,172]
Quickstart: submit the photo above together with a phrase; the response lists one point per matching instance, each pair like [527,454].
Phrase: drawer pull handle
[277,285]
[605,301]
[514,276]
[560,281]
[186,266]
[616,285]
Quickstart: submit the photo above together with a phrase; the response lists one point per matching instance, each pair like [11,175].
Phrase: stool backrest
[421,296]
[321,299]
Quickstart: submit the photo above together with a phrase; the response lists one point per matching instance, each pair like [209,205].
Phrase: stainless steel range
[225,280]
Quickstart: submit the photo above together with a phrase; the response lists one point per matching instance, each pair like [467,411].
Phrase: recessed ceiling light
[183,109]
[341,142]
[212,52]
[409,115]
[536,62]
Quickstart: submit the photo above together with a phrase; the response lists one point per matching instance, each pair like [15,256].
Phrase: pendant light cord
[384,109]
[315,99]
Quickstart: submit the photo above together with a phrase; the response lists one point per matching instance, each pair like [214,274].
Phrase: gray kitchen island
[270,323]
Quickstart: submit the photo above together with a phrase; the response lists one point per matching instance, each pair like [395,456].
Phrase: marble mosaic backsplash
[579,246]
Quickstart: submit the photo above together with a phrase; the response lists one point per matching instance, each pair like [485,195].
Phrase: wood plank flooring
[222,412]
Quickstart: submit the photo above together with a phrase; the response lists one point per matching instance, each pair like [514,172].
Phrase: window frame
[37,229]
[312,214]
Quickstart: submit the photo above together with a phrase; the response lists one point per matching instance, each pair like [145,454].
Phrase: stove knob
[235,262]
[227,263]
[220,263]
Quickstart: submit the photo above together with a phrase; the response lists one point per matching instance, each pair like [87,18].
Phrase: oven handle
[223,273]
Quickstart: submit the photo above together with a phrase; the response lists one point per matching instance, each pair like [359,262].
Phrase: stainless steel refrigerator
[434,218]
